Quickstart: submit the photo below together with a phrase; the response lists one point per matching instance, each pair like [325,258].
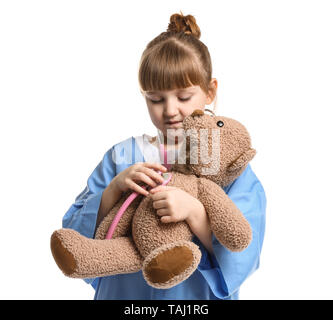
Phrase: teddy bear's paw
[171,264]
[81,257]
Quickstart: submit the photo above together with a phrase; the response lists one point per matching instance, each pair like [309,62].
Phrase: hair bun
[187,24]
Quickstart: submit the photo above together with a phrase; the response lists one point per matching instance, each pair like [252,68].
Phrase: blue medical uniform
[218,276]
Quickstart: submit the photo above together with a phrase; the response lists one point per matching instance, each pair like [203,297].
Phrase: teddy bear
[165,252]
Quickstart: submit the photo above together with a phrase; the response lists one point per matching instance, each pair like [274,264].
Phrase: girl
[175,77]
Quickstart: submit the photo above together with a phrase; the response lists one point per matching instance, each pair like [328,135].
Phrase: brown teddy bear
[164,251]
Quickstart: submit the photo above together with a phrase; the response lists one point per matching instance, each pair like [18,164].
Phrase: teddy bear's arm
[228,223]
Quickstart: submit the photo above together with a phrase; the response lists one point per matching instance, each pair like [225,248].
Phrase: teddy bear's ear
[242,160]
[197,112]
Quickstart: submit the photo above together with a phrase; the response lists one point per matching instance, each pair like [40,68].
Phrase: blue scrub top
[218,276]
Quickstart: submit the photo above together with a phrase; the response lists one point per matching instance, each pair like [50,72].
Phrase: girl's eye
[153,101]
[184,99]
[181,99]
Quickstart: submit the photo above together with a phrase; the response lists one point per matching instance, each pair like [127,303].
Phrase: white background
[69,91]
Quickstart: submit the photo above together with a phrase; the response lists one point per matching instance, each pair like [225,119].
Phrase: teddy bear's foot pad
[63,257]
[170,264]
[81,257]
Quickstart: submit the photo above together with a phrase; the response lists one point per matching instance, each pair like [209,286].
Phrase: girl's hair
[176,58]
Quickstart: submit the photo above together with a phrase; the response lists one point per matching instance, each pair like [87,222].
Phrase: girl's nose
[170,109]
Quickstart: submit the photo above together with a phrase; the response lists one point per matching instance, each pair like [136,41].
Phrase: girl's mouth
[174,124]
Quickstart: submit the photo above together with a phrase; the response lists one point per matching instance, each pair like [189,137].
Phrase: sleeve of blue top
[82,214]
[225,271]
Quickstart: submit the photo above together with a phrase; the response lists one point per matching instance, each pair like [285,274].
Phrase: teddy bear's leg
[81,257]
[170,256]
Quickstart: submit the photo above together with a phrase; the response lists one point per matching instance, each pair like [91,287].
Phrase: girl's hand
[174,204]
[143,172]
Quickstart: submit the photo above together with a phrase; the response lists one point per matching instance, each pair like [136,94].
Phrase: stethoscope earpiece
[212,112]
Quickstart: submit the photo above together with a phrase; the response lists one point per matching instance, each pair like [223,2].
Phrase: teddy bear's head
[217,148]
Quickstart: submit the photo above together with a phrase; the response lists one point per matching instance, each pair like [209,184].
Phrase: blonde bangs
[170,67]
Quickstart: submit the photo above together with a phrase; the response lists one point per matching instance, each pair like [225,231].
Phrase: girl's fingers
[138,189]
[166,219]
[153,174]
[157,193]
[161,188]
[162,212]
[158,188]
[159,204]
[156,166]
[145,173]
[140,176]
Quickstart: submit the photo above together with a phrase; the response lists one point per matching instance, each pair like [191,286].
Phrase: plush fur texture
[165,252]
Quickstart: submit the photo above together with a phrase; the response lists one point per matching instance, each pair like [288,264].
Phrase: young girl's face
[167,109]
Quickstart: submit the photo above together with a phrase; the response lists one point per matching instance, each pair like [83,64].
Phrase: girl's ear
[212,91]
[242,160]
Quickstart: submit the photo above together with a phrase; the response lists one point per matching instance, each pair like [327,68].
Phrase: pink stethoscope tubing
[133,195]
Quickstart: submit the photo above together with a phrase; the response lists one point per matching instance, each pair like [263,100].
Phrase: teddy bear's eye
[220,123]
